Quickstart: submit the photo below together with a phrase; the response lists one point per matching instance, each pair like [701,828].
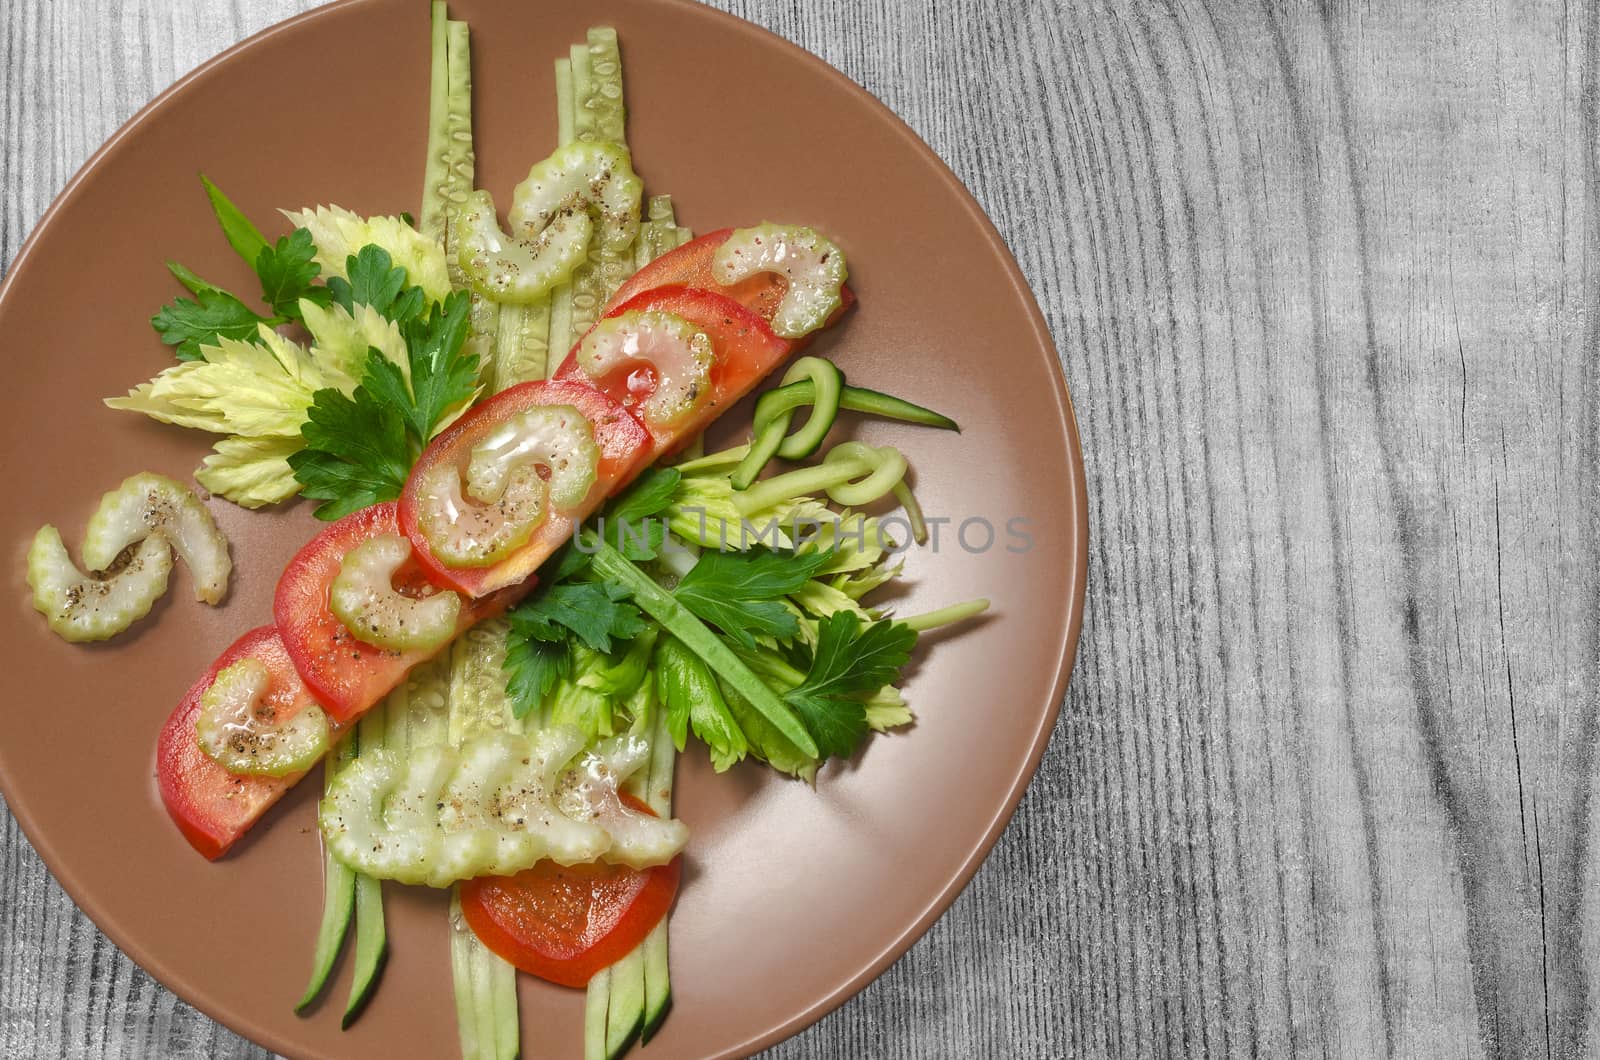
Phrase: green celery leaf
[693,699]
[442,377]
[375,280]
[594,613]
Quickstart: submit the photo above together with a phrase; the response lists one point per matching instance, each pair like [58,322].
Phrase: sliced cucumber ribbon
[814,267]
[775,411]
[852,474]
[241,733]
[496,805]
[363,597]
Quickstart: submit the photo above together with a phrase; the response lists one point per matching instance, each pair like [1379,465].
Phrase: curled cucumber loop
[887,466]
[822,384]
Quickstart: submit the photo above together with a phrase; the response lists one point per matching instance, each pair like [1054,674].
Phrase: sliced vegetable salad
[534,586]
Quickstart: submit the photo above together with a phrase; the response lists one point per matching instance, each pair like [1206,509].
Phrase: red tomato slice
[348,675]
[690,266]
[565,924]
[624,448]
[211,806]
[746,351]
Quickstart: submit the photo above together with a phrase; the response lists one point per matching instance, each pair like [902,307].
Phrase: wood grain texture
[1326,284]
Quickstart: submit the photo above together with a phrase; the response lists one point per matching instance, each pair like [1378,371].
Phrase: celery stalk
[677,620]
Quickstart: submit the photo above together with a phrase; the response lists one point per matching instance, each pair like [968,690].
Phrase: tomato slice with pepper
[541,456]
[744,351]
[346,674]
[564,924]
[211,806]
[690,266]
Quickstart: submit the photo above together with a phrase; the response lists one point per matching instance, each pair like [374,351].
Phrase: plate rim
[157,967]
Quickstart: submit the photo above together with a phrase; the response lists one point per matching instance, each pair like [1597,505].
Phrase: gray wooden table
[1326,286]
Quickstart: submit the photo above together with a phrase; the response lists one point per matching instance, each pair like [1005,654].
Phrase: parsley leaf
[288,271]
[742,593]
[544,627]
[629,522]
[359,449]
[533,668]
[375,280]
[212,315]
[357,452]
[441,376]
[593,612]
[849,661]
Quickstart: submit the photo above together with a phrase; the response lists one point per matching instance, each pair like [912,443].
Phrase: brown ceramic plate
[794,898]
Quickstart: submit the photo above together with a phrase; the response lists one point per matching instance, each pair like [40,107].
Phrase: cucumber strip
[585,292]
[889,407]
[560,340]
[338,894]
[596,1005]
[625,1012]
[507,1025]
[775,412]
[657,981]
[372,946]
[601,109]
[485,986]
[436,172]
[372,733]
[564,102]
[826,382]
[463,944]
[658,796]
[481,977]
[522,346]
[676,619]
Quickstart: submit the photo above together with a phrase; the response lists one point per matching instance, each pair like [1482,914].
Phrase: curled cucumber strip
[775,412]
